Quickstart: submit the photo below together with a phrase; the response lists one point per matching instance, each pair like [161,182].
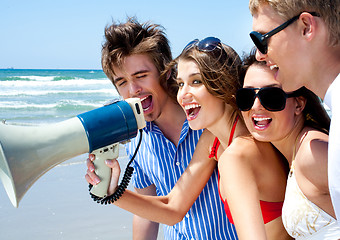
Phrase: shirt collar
[152,127]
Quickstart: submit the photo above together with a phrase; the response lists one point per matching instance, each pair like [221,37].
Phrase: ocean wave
[62,105]
[71,82]
[29,92]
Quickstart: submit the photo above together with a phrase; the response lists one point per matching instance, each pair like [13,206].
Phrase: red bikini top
[216,144]
[270,210]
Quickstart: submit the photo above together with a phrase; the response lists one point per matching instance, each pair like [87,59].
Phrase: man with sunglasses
[133,56]
[301,40]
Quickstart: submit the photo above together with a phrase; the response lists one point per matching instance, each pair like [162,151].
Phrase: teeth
[272,67]
[142,99]
[258,119]
[190,106]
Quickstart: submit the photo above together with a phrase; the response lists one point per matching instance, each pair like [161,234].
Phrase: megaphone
[27,152]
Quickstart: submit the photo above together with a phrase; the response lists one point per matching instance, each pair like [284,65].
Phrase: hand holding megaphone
[101,170]
[92,170]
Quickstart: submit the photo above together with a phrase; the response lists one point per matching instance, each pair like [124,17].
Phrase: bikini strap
[295,147]
[213,152]
[216,144]
[233,130]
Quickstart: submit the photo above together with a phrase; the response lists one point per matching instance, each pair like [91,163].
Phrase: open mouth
[274,68]
[192,110]
[261,122]
[146,102]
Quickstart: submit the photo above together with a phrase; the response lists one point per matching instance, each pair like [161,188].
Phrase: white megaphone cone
[27,152]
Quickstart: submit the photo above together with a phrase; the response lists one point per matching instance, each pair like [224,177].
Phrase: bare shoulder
[246,152]
[311,158]
[313,150]
[248,148]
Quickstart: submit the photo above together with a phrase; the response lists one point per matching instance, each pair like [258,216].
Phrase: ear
[300,103]
[308,25]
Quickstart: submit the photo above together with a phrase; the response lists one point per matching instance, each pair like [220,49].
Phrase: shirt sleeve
[139,178]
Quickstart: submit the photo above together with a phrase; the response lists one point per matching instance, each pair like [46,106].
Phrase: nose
[134,89]
[257,104]
[183,94]
[260,56]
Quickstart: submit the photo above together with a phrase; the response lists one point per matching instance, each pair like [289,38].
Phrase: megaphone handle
[103,171]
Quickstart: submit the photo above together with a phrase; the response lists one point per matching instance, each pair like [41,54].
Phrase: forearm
[144,229]
[157,209]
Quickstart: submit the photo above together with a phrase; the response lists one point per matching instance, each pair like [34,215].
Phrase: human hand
[92,178]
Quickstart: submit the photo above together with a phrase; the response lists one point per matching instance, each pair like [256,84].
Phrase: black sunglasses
[205,45]
[261,40]
[272,98]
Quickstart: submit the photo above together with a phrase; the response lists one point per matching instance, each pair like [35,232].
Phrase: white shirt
[332,100]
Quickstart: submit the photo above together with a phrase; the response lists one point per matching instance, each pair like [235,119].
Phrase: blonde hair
[328,10]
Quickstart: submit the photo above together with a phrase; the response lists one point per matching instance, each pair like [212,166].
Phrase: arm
[143,228]
[239,186]
[311,170]
[172,208]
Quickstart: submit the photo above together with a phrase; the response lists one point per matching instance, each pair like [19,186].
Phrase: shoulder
[246,148]
[206,140]
[313,149]
[244,153]
[311,158]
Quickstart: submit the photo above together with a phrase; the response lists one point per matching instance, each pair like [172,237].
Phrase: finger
[89,179]
[93,176]
[92,156]
[90,165]
[114,175]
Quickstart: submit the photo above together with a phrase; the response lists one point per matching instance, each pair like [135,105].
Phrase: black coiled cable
[124,183]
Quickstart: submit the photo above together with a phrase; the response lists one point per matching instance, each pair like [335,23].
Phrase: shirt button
[187,215]
[177,163]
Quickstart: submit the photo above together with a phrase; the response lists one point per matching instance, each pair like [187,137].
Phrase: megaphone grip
[119,191]
[125,181]
[103,171]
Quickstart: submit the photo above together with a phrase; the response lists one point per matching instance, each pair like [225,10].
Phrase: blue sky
[67,34]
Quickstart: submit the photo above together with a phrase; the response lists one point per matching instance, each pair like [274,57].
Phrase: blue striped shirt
[161,163]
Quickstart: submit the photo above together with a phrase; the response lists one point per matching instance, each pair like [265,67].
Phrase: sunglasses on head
[271,98]
[205,45]
[261,40]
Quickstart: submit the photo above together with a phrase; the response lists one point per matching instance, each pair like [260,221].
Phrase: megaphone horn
[27,152]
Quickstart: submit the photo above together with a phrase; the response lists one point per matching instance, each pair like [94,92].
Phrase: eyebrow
[191,75]
[134,74]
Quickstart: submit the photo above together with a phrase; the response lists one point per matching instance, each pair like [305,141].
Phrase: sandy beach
[58,206]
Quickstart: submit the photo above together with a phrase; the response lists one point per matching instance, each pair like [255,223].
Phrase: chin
[194,126]
[260,137]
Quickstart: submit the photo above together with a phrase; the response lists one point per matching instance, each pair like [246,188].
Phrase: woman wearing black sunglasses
[252,174]
[297,125]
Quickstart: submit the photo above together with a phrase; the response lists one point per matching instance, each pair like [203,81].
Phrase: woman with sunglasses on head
[252,174]
[297,125]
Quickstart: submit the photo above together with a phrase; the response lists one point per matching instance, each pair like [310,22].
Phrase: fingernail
[97,181]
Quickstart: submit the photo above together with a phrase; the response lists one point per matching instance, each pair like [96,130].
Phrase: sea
[58,205]
[40,96]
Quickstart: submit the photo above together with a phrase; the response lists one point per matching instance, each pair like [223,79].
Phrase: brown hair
[132,37]
[329,11]
[219,70]
[315,115]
